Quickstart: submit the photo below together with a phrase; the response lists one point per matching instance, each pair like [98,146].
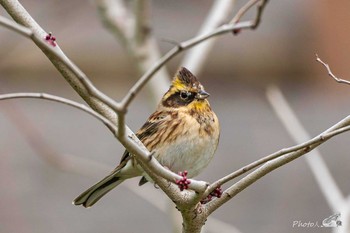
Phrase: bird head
[185,91]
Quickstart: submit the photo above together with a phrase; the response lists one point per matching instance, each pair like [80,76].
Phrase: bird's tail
[97,191]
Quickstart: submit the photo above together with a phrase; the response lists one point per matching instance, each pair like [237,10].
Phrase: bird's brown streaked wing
[147,130]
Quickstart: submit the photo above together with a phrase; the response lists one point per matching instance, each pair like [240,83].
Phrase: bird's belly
[190,154]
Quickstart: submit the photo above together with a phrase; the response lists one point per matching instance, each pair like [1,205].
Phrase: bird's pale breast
[194,146]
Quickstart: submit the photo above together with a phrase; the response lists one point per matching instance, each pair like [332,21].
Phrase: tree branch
[55,54]
[243,10]
[340,127]
[83,86]
[260,10]
[324,179]
[9,24]
[65,101]
[338,80]
[176,50]
[196,57]
[137,39]
[275,155]
[252,24]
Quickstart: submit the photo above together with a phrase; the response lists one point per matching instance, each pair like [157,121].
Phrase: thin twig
[58,99]
[260,10]
[246,7]
[339,80]
[243,10]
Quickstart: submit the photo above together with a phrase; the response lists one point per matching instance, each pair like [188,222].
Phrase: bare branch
[186,45]
[271,165]
[85,88]
[317,165]
[260,10]
[58,99]
[15,27]
[161,171]
[246,7]
[70,163]
[255,164]
[176,50]
[243,10]
[70,72]
[267,168]
[339,80]
[59,55]
[136,38]
[253,177]
[196,57]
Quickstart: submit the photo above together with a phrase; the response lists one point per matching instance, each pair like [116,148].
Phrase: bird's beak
[201,95]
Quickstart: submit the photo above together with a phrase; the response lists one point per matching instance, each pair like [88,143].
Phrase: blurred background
[35,195]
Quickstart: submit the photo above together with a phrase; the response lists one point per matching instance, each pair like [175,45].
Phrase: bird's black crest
[187,77]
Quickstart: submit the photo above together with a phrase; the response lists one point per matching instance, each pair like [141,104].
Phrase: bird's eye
[185,95]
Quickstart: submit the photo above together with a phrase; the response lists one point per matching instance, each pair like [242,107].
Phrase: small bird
[183,134]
